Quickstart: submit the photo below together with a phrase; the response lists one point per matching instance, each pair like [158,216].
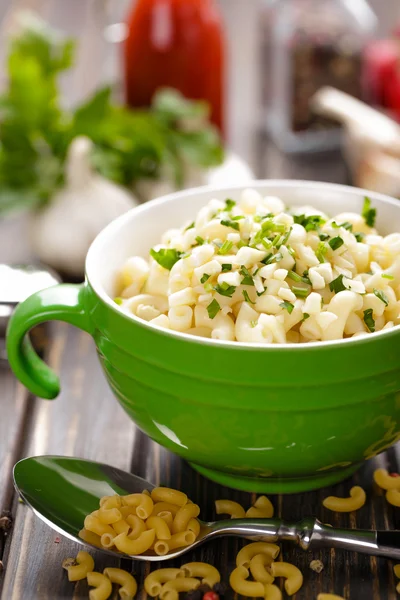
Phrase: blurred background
[109,103]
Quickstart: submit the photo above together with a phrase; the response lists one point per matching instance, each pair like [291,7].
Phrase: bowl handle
[62,302]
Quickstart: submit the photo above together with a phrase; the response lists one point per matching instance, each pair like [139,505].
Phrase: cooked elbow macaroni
[160,521]
[261,274]
[357,500]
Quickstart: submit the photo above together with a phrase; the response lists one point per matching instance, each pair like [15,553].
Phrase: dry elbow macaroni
[357,500]
[160,521]
[253,271]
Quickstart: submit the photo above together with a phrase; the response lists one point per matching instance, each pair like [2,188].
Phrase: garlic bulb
[62,232]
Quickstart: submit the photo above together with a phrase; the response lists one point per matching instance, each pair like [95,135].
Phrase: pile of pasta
[159,521]
[253,271]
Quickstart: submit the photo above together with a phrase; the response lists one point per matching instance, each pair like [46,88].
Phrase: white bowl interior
[141,228]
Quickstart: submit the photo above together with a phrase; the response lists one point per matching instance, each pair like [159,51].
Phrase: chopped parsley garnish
[118,301]
[261,293]
[213,309]
[290,250]
[360,236]
[240,244]
[191,226]
[369,320]
[305,316]
[200,240]
[208,287]
[337,285]
[226,267]
[166,257]
[225,289]
[310,223]
[298,278]
[385,276]
[368,213]
[229,204]
[345,225]
[300,292]
[285,238]
[288,305]
[323,237]
[259,218]
[238,218]
[276,239]
[246,297]
[253,323]
[205,277]
[266,243]
[272,258]
[247,278]
[226,246]
[382,296]
[231,224]
[336,242]
[321,251]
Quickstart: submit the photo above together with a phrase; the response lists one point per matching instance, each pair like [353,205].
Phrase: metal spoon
[62,491]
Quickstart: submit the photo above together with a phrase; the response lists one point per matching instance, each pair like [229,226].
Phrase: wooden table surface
[87,422]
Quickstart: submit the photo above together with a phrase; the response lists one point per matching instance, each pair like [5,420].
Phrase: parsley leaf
[369,320]
[247,278]
[226,267]
[229,204]
[213,309]
[336,242]
[300,292]
[323,237]
[204,278]
[231,224]
[166,257]
[288,305]
[200,240]
[337,285]
[360,236]
[321,251]
[191,226]
[386,276]
[225,289]
[118,301]
[295,277]
[246,297]
[226,246]
[305,316]
[382,296]
[368,213]
[310,223]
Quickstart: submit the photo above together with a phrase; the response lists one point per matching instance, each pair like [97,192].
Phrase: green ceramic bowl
[259,418]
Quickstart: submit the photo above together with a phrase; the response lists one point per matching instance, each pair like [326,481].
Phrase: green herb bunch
[129,145]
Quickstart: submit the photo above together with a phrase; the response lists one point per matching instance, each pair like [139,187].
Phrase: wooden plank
[84,421]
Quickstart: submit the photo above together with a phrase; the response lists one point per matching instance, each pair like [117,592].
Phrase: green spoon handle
[63,303]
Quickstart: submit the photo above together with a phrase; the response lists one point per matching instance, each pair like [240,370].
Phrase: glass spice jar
[307,44]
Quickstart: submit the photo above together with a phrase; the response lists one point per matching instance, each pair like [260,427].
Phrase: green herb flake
[310,223]
[226,246]
[247,278]
[118,301]
[253,323]
[336,242]
[238,218]
[229,204]
[382,296]
[368,213]
[295,277]
[226,267]
[166,257]
[386,276]
[321,251]
[276,239]
[360,236]
[200,240]
[205,277]
[305,316]
[300,292]
[272,258]
[231,224]
[225,289]
[337,285]
[191,226]
[240,244]
[288,306]
[208,287]
[266,243]
[246,297]
[323,237]
[213,309]
[262,293]
[369,320]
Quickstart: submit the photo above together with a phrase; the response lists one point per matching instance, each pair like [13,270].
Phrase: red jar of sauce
[179,44]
